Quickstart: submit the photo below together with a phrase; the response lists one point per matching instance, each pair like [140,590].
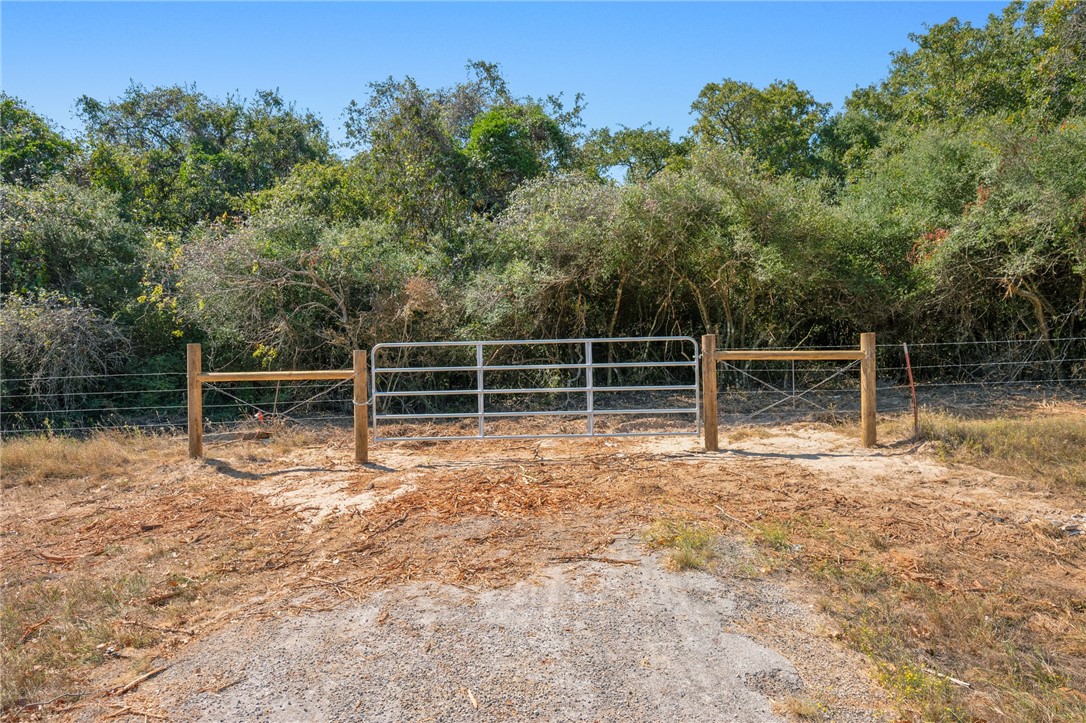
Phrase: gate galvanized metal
[588,365]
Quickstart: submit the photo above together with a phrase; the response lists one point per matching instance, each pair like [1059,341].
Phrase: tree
[777,125]
[510,144]
[846,141]
[1028,61]
[58,344]
[331,190]
[435,156]
[1016,258]
[30,150]
[177,157]
[415,167]
[290,290]
[642,152]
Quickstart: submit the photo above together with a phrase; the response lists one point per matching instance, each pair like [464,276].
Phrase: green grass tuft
[690,545]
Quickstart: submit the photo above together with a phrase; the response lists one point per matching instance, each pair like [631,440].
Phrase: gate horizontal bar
[539,390]
[530,367]
[546,413]
[474,437]
[485,368]
[529,342]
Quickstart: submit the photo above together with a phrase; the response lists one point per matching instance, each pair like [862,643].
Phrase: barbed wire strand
[91,376]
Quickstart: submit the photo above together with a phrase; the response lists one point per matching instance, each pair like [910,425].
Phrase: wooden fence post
[196,402]
[361,409]
[709,391]
[867,390]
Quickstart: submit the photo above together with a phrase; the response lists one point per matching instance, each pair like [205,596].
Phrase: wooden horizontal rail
[276,376]
[815,355]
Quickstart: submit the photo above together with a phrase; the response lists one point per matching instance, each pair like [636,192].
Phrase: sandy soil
[450,581]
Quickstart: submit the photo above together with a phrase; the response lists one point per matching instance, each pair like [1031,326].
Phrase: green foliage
[543,256]
[777,124]
[57,343]
[923,181]
[642,152]
[690,545]
[945,202]
[847,140]
[1017,254]
[510,144]
[177,157]
[331,190]
[412,162]
[431,157]
[30,150]
[290,290]
[61,237]
[1029,61]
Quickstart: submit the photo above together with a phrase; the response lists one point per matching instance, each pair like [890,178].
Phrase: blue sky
[635,63]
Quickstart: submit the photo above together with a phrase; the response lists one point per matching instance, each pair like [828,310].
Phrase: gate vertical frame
[589,386]
[480,389]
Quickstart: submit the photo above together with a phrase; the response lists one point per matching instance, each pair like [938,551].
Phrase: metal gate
[676,352]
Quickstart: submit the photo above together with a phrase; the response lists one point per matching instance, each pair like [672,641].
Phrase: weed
[738,434]
[801,708]
[690,545]
[50,628]
[924,640]
[774,536]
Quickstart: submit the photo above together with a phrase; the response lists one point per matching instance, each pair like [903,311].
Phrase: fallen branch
[216,689]
[590,558]
[135,683]
[395,523]
[31,629]
[65,559]
[163,597]
[733,518]
[365,544]
[160,628]
[41,704]
[135,712]
[955,681]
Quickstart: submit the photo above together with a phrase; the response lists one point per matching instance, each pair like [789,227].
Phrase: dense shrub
[937,205]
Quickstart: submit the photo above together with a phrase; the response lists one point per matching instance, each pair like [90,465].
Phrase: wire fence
[953,377]
[949,376]
[134,405]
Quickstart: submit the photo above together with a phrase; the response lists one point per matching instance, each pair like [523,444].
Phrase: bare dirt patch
[193,550]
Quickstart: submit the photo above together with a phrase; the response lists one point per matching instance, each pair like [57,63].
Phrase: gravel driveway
[582,641]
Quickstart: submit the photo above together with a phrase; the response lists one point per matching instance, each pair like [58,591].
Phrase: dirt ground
[258,566]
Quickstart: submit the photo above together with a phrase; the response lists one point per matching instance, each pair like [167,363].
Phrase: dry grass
[932,615]
[938,585]
[49,630]
[1048,447]
[39,458]
[738,433]
[799,708]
